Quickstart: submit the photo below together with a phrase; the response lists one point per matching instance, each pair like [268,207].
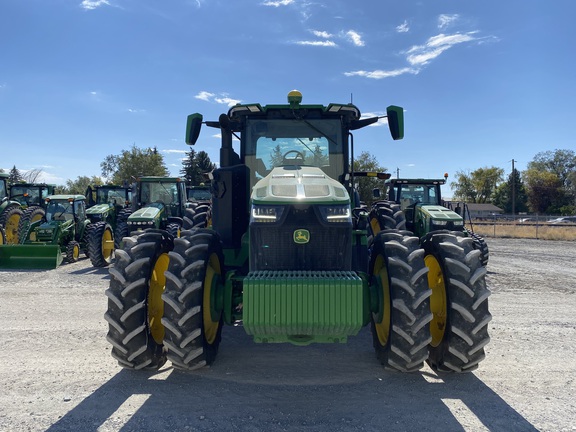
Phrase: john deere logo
[301,236]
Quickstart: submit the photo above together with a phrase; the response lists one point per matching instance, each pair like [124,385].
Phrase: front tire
[386,215]
[459,302]
[191,319]
[400,323]
[100,241]
[10,220]
[73,252]
[135,305]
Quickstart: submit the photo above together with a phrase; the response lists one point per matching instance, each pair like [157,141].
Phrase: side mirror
[396,121]
[193,126]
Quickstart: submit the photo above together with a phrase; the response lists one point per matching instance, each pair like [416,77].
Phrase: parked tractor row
[285,249]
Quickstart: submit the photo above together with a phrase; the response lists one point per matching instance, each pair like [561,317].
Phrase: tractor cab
[31,194]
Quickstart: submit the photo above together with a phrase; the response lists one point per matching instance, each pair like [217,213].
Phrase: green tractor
[107,207]
[288,256]
[416,205]
[10,212]
[159,203]
[199,203]
[32,199]
[62,233]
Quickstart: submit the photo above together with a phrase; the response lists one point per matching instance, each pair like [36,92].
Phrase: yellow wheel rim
[1,238]
[12,228]
[107,244]
[36,218]
[382,319]
[210,326]
[375,226]
[76,252]
[438,301]
[155,302]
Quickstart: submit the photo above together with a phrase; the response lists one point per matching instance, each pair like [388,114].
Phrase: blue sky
[482,83]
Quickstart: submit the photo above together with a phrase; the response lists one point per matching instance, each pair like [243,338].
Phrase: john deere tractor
[288,256]
[10,212]
[416,205]
[32,199]
[107,207]
[60,234]
[199,206]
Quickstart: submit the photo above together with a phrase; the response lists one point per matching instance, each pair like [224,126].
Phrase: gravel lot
[56,372]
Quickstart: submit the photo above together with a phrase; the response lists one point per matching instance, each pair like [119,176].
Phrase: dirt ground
[57,374]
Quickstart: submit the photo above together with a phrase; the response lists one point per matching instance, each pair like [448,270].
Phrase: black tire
[193,333]
[459,302]
[386,215]
[73,252]
[10,221]
[31,214]
[100,243]
[198,217]
[482,246]
[173,229]
[122,230]
[400,326]
[135,303]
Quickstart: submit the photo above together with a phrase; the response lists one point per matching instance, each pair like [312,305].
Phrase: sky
[481,83]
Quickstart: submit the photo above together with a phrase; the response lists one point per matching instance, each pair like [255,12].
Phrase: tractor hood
[47,232]
[436,212]
[98,209]
[148,213]
[288,184]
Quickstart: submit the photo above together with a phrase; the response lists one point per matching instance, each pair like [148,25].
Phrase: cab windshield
[273,143]
[59,210]
[112,196]
[25,195]
[157,192]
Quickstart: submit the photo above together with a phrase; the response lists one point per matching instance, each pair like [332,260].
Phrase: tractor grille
[272,246]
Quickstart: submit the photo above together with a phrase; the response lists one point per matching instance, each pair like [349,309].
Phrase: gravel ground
[57,374]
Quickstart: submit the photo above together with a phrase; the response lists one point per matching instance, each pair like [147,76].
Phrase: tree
[503,195]
[478,186]
[31,176]
[365,185]
[133,163]
[14,176]
[195,166]
[545,192]
[562,164]
[79,186]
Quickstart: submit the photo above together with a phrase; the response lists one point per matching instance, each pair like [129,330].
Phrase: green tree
[545,192]
[133,163]
[503,194]
[195,166]
[365,185]
[79,186]
[14,176]
[478,186]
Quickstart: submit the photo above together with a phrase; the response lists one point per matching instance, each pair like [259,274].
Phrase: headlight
[336,213]
[458,223]
[266,214]
[440,222]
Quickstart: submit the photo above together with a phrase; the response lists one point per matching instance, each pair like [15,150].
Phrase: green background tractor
[63,233]
[32,199]
[291,256]
[10,212]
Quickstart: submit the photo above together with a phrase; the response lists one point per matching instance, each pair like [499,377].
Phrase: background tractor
[108,206]
[10,212]
[417,205]
[288,256]
[61,233]
[32,199]
[199,206]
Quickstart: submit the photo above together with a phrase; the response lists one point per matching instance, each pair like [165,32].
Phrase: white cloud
[173,151]
[277,3]
[326,43]
[380,74]
[355,38]
[321,34]
[135,111]
[222,98]
[445,20]
[403,28]
[205,96]
[420,55]
[93,4]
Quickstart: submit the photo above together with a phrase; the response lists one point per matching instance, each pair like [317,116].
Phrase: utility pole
[513,189]
[397,173]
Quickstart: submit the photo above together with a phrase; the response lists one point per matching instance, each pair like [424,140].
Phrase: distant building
[477,210]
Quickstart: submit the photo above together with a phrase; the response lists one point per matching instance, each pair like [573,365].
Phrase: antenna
[351,98]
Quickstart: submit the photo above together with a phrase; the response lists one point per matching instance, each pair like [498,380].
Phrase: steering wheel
[298,160]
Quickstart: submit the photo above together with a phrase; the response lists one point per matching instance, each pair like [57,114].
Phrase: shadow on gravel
[91,270]
[223,398]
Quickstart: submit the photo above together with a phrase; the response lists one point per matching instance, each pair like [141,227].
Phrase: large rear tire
[459,302]
[122,230]
[386,215]
[482,246]
[198,217]
[10,220]
[400,326]
[100,241]
[191,319]
[135,305]
[31,214]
